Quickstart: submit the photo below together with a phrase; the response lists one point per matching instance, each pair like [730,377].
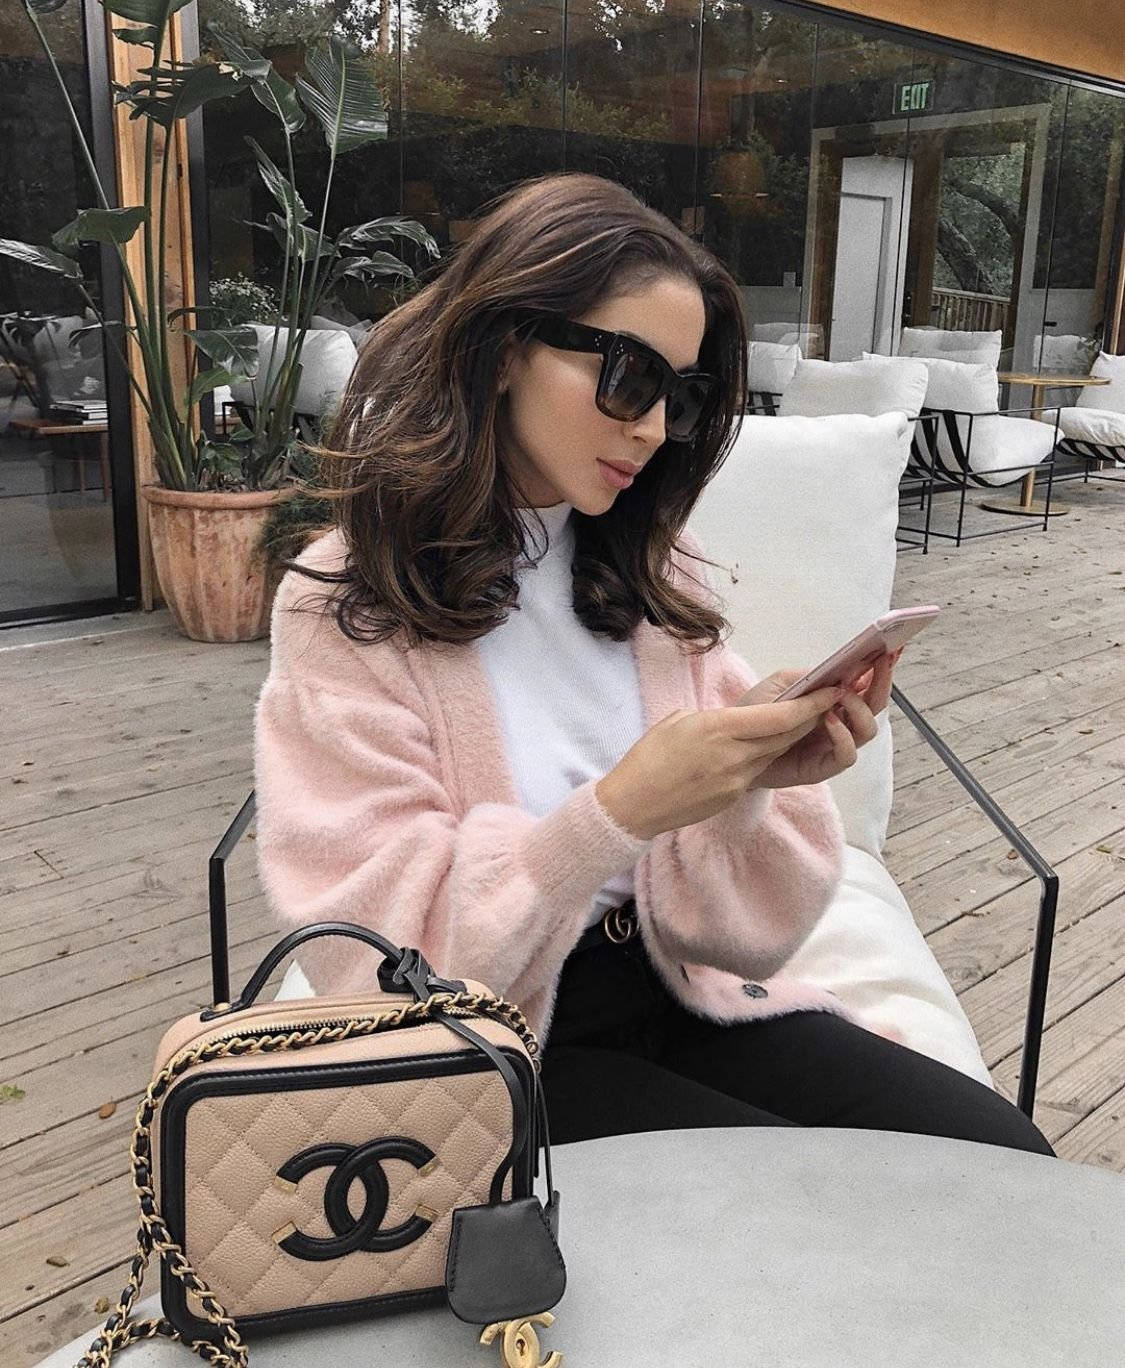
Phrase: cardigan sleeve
[742,889]
[355,824]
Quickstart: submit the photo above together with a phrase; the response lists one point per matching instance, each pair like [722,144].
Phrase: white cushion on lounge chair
[803,512]
[874,385]
[1001,449]
[1111,396]
[952,345]
[1104,426]
[771,366]
[327,358]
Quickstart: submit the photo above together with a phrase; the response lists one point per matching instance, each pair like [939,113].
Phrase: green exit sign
[911,97]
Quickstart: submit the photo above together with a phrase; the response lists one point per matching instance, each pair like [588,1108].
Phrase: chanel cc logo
[349,1163]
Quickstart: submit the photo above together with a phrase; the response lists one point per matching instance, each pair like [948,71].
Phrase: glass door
[57,546]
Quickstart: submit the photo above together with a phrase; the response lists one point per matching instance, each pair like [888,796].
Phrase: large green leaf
[384,229]
[280,186]
[302,240]
[270,89]
[374,267]
[174,91]
[341,91]
[155,12]
[207,381]
[43,257]
[101,225]
[140,37]
[234,349]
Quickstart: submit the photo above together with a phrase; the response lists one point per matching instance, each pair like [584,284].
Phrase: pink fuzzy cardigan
[384,798]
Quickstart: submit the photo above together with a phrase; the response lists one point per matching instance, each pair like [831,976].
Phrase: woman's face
[553,438]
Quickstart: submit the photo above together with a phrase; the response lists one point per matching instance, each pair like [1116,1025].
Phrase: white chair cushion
[327,358]
[952,345]
[1068,352]
[868,950]
[968,386]
[771,366]
[1001,449]
[294,984]
[1103,426]
[808,336]
[872,386]
[803,512]
[1111,396]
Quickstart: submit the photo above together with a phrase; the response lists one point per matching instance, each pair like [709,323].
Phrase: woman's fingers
[843,743]
[877,694]
[856,715]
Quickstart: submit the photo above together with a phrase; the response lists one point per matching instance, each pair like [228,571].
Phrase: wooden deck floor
[126,752]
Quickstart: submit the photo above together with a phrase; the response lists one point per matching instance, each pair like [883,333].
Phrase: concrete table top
[786,1248]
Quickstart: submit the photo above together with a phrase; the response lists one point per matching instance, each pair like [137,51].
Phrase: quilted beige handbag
[307,1161]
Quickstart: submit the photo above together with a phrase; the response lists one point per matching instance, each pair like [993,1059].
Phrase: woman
[500,723]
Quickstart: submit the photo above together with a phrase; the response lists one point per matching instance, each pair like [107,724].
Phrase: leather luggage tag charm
[503,1263]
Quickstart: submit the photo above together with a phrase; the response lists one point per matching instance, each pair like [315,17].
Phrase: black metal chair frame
[1096,451]
[1044,930]
[966,478]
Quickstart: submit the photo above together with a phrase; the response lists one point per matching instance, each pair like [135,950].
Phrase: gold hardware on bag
[519,1347]
[620,923]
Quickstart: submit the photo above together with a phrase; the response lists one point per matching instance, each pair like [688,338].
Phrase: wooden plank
[1083,1058]
[25,870]
[69,1030]
[924,797]
[1094,776]
[130,828]
[978,945]
[98,1227]
[1088,957]
[1100,1137]
[942,894]
[108,967]
[28,1338]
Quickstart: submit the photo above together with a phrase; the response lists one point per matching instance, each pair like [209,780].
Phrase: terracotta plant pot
[211,573]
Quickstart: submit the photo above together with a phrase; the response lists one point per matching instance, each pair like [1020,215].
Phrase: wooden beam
[125,61]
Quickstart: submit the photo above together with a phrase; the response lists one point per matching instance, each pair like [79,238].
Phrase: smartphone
[885,634]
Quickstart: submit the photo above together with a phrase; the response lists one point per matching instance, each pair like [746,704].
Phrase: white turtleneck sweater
[569,702]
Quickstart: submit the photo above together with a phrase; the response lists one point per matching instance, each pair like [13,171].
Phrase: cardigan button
[755,990]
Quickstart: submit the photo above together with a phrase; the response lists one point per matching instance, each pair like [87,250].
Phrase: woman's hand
[832,746]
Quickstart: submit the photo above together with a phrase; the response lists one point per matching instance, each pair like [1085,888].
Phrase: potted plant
[215,488]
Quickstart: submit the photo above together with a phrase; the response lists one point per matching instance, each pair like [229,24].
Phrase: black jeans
[624,1056]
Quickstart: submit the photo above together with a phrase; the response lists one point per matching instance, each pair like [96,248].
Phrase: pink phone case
[885,634]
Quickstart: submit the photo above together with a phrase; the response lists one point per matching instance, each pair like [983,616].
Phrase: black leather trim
[293,1078]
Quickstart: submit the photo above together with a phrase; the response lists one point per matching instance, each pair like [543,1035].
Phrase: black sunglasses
[633,377]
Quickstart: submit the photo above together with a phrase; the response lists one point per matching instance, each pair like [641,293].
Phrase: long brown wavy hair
[424,499]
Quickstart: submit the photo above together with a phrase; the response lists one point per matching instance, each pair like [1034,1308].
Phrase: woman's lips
[615,478]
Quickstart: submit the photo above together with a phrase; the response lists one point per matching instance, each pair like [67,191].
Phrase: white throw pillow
[327,358]
[771,366]
[1111,396]
[1104,426]
[871,386]
[803,512]
[969,387]
[953,345]
[808,336]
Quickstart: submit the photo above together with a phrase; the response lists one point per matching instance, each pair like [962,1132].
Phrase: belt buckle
[620,923]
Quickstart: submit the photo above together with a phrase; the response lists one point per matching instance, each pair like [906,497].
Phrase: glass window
[56,518]
[1072,271]
[482,105]
[245,260]
[754,137]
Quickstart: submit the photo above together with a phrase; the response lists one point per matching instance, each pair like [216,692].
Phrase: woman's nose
[651,424]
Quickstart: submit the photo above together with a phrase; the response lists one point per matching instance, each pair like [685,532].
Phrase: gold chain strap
[153,1234]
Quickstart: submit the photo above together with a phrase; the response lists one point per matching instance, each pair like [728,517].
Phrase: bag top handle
[400,968]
